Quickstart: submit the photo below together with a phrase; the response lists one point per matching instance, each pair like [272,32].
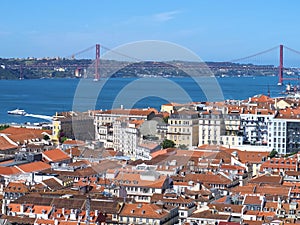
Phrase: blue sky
[215,30]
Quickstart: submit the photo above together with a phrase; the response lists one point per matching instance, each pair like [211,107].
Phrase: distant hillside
[32,68]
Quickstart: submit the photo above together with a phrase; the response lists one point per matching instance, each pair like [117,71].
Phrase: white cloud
[165,16]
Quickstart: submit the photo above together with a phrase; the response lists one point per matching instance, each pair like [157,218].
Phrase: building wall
[125,137]
[55,130]
[211,127]
[255,127]
[284,135]
[183,130]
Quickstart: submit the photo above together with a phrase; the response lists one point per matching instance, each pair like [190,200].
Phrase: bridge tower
[280,68]
[97,72]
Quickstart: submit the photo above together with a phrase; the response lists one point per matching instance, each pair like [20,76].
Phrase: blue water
[48,96]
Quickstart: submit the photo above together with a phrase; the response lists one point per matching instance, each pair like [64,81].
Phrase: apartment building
[138,213]
[211,127]
[126,135]
[183,128]
[104,122]
[284,131]
[254,122]
[73,125]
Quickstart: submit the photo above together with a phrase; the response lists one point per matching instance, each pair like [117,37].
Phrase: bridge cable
[256,54]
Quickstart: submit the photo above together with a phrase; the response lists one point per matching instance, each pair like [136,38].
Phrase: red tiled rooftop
[21,134]
[16,187]
[8,170]
[135,112]
[143,210]
[55,155]
[73,142]
[33,167]
[4,144]
[289,113]
[252,200]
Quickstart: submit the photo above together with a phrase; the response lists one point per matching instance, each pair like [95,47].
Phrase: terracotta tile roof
[143,210]
[221,200]
[209,215]
[75,151]
[134,112]
[8,170]
[292,173]
[231,167]
[162,152]
[266,179]
[73,142]
[134,180]
[228,223]
[55,155]
[80,163]
[270,205]
[289,113]
[267,214]
[207,178]
[22,134]
[18,220]
[5,145]
[7,162]
[252,222]
[171,199]
[262,99]
[247,189]
[252,200]
[33,167]
[273,190]
[251,156]
[61,222]
[16,187]
[52,184]
[36,209]
[223,207]
[251,212]
[137,123]
[281,163]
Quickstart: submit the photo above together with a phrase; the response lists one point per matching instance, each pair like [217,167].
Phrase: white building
[104,122]
[126,136]
[254,123]
[284,132]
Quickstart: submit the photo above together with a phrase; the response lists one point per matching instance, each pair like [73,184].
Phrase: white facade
[125,137]
[284,135]
[256,128]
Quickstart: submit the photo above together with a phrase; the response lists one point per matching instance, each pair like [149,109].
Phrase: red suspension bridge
[253,62]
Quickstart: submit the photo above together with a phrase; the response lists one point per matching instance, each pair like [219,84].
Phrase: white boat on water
[17,112]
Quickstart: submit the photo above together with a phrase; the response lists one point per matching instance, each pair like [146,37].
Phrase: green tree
[167,144]
[62,137]
[46,137]
[165,119]
[4,126]
[273,153]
